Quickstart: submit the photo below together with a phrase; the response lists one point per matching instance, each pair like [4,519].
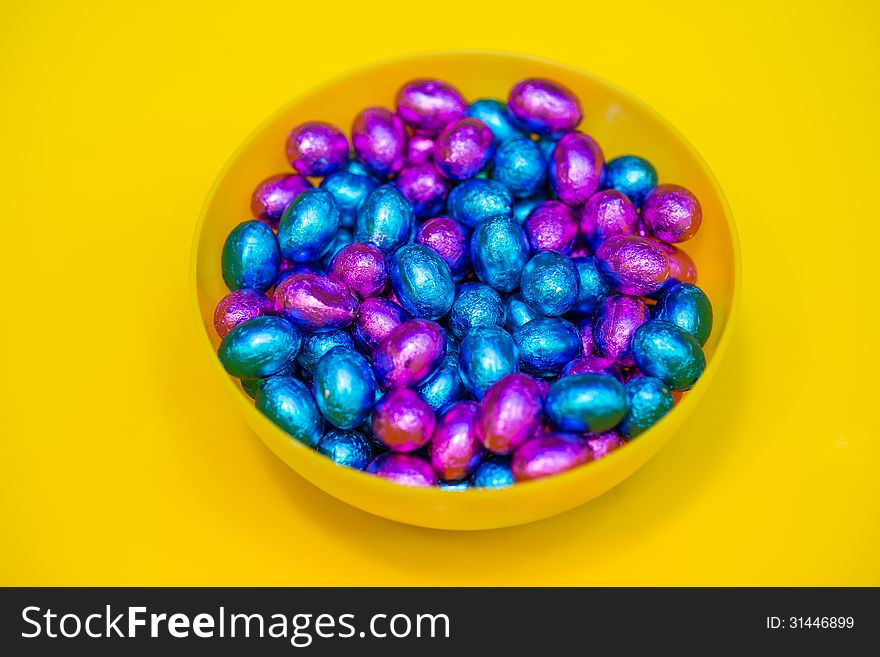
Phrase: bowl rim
[530,488]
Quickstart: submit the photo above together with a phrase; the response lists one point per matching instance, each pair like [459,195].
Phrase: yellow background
[121,463]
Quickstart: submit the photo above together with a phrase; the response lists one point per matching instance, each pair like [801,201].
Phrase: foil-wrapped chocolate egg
[428,106]
[546,345]
[252,386]
[549,454]
[259,347]
[443,387]
[665,351]
[315,303]
[379,140]
[671,213]
[250,257]
[585,328]
[385,219]
[419,149]
[342,239]
[630,175]
[463,148]
[376,318]
[422,281]
[362,267]
[592,288]
[355,166]
[351,449]
[681,268]
[551,226]
[403,469]
[272,196]
[592,364]
[316,148]
[238,307]
[586,403]
[454,450]
[454,486]
[632,265]
[575,168]
[518,312]
[602,444]
[344,386]
[519,165]
[487,354]
[494,473]
[409,354]
[688,307]
[499,251]
[451,242]
[424,187]
[606,214]
[544,107]
[475,200]
[402,421]
[476,304]
[523,206]
[510,413]
[649,400]
[616,320]
[308,226]
[349,191]
[494,114]
[549,283]
[290,405]
[315,345]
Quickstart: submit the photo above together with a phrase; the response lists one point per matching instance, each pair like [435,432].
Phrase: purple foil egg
[544,107]
[463,149]
[379,140]
[376,318]
[424,187]
[402,421]
[428,106]
[450,240]
[315,303]
[632,265]
[419,149]
[606,214]
[409,354]
[455,450]
[549,454]
[614,324]
[238,307]
[316,148]
[272,196]
[551,226]
[602,444]
[681,267]
[576,168]
[510,413]
[403,469]
[671,213]
[592,365]
[585,328]
[361,267]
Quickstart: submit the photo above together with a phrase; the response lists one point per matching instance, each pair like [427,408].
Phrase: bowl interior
[620,123]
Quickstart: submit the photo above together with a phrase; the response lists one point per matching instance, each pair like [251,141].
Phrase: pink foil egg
[551,226]
[379,140]
[585,328]
[403,469]
[376,318]
[549,454]
[316,148]
[424,187]
[409,354]
[450,240]
[544,107]
[671,213]
[428,106]
[272,196]
[362,267]
[463,149]
[575,168]
[402,421]
[632,265]
[315,303]
[681,267]
[614,324]
[606,214]
[510,413]
[238,307]
[419,149]
[455,450]
[602,444]
[592,365]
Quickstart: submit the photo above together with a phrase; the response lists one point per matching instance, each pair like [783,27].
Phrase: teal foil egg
[518,313]
[315,345]
[494,114]
[665,351]
[688,307]
[520,166]
[289,404]
[476,304]
[649,400]
[259,347]
[349,448]
[592,288]
[422,281]
[494,473]
[344,387]
[385,219]
[487,354]
[250,257]
[443,387]
[475,200]
[308,226]
[546,345]
[586,403]
[349,191]
[499,251]
[549,283]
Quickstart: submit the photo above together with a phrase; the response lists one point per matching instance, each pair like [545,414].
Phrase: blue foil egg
[349,191]
[546,345]
[475,200]
[592,288]
[315,345]
[349,448]
[422,281]
[495,473]
[487,354]
[549,283]
[443,387]
[290,405]
[518,312]
[630,175]
[586,403]
[649,400]
[251,386]
[475,304]
[495,115]
[344,386]
[499,251]
[259,347]
[688,307]
[308,226]
[455,486]
[665,351]
[520,166]
[385,219]
[250,257]
[547,144]
[358,168]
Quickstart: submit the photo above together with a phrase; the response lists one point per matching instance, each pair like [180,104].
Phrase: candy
[681,268]
[575,168]
[385,219]
[409,354]
[259,347]
[455,451]
[671,213]
[250,257]
[428,106]
[585,328]
[592,364]
[523,206]
[607,214]
[544,107]
[316,148]
[518,312]
[423,187]
[454,486]
[665,351]
[344,387]
[551,226]
[616,320]
[349,191]
[549,454]
[495,473]
[495,115]
[486,355]
[289,404]
[422,281]
[586,403]
[630,175]
[632,265]
[315,345]
[546,345]
[463,148]
[361,267]
[403,469]
[308,226]
[451,242]
[379,140]
[315,303]
[343,238]
[592,288]
[475,200]
[688,307]
[649,400]
[402,421]
[376,318]
[238,307]
[499,252]
[443,387]
[519,165]
[602,444]
[475,304]
[349,448]
[272,196]
[509,414]
[549,283]
[419,149]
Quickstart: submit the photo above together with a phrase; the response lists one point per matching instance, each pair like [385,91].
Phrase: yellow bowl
[621,123]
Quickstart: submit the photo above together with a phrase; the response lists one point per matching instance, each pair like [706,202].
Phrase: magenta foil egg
[315,303]
[575,168]
[376,318]
[450,240]
[463,148]
[681,266]
[614,324]
[455,450]
[316,148]
[592,365]
[361,267]
[428,106]
[403,469]
[585,328]
[632,265]
[419,149]
[510,413]
[544,107]
[379,140]
[606,214]
[409,354]
[602,444]
[238,307]
[671,213]
[549,454]
[424,187]
[402,421]
[551,226]
[272,196]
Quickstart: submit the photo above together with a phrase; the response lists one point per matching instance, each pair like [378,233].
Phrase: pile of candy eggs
[463,295]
